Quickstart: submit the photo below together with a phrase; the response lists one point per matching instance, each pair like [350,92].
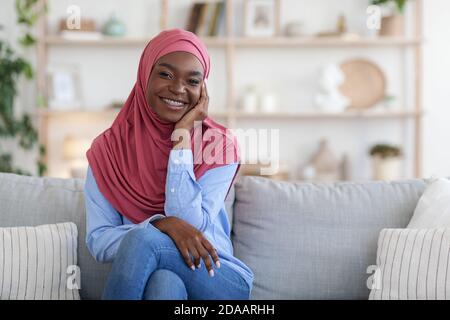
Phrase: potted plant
[393,23]
[386,161]
[13,128]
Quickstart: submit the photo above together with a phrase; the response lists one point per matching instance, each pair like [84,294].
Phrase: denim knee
[148,238]
[164,284]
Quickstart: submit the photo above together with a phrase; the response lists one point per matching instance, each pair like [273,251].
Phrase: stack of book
[206,18]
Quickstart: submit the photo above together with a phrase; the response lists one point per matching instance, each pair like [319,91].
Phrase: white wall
[291,72]
[436,88]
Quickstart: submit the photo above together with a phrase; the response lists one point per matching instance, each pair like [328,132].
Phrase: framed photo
[261,18]
[64,91]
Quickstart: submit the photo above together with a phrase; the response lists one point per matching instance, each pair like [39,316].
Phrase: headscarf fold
[129,160]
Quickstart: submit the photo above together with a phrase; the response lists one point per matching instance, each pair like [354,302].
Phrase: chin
[171,117]
[167,115]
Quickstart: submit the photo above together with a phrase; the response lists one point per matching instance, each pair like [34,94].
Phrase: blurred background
[338,90]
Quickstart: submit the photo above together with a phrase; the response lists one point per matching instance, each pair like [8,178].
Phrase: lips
[173,99]
[173,104]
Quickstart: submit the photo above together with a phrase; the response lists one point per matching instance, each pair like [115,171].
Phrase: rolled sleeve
[194,201]
[104,224]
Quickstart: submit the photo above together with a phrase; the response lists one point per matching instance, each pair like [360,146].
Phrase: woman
[153,209]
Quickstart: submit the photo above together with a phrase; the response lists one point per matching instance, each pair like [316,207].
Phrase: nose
[177,86]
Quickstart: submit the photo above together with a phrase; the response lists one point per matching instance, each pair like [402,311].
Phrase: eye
[164,74]
[194,82]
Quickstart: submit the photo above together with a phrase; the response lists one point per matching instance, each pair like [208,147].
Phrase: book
[193,17]
[209,15]
[217,18]
[206,17]
[201,18]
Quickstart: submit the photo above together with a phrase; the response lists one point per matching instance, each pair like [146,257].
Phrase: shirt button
[172,190]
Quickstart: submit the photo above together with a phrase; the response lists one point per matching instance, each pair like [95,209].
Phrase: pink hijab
[129,160]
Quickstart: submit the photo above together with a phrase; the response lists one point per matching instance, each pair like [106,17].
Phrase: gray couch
[302,240]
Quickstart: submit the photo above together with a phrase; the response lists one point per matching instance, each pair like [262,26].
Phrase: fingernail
[211,273]
[199,265]
[217,264]
[192,267]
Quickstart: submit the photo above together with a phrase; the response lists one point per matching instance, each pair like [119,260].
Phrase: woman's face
[174,85]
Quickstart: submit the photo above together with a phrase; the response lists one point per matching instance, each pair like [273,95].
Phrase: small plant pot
[392,26]
[386,169]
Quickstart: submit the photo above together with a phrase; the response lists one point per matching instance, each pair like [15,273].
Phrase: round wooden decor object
[364,84]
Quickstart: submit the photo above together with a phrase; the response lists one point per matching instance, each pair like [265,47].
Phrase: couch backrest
[316,241]
[302,240]
[32,201]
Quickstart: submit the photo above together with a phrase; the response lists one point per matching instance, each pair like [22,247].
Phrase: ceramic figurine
[330,99]
[114,27]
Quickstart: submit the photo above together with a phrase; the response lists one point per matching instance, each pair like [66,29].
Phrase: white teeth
[172,102]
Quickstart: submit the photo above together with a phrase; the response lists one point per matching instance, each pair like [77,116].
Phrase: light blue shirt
[200,203]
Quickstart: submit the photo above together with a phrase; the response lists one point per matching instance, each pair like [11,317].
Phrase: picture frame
[261,18]
[63,88]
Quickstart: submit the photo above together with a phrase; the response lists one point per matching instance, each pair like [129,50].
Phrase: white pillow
[36,262]
[433,208]
[412,264]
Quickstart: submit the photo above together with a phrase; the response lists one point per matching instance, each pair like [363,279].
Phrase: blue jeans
[149,266]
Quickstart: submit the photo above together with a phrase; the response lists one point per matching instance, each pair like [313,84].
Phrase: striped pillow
[412,264]
[38,263]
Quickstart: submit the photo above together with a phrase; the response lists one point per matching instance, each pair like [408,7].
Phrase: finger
[204,92]
[202,98]
[186,257]
[196,255]
[213,252]
[206,89]
[205,99]
[206,258]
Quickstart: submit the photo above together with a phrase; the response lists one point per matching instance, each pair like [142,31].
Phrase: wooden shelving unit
[248,42]
[230,43]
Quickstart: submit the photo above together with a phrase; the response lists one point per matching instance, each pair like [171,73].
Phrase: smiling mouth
[173,104]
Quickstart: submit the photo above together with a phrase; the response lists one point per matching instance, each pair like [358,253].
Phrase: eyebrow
[192,73]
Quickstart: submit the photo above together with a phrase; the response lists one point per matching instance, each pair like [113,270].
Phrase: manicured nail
[217,264]
[192,267]
[211,273]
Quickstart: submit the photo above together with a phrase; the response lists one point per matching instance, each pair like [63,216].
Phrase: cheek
[152,91]
[151,98]
[195,97]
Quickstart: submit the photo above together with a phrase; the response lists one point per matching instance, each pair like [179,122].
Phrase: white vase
[386,169]
[250,102]
[268,103]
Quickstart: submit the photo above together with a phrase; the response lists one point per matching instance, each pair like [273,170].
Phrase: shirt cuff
[181,156]
[181,160]
[145,223]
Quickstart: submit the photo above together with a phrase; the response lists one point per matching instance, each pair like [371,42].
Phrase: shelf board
[249,42]
[124,42]
[55,113]
[321,115]
[325,41]
[94,113]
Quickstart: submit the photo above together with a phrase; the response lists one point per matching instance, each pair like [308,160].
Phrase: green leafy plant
[385,151]
[28,13]
[12,68]
[398,4]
